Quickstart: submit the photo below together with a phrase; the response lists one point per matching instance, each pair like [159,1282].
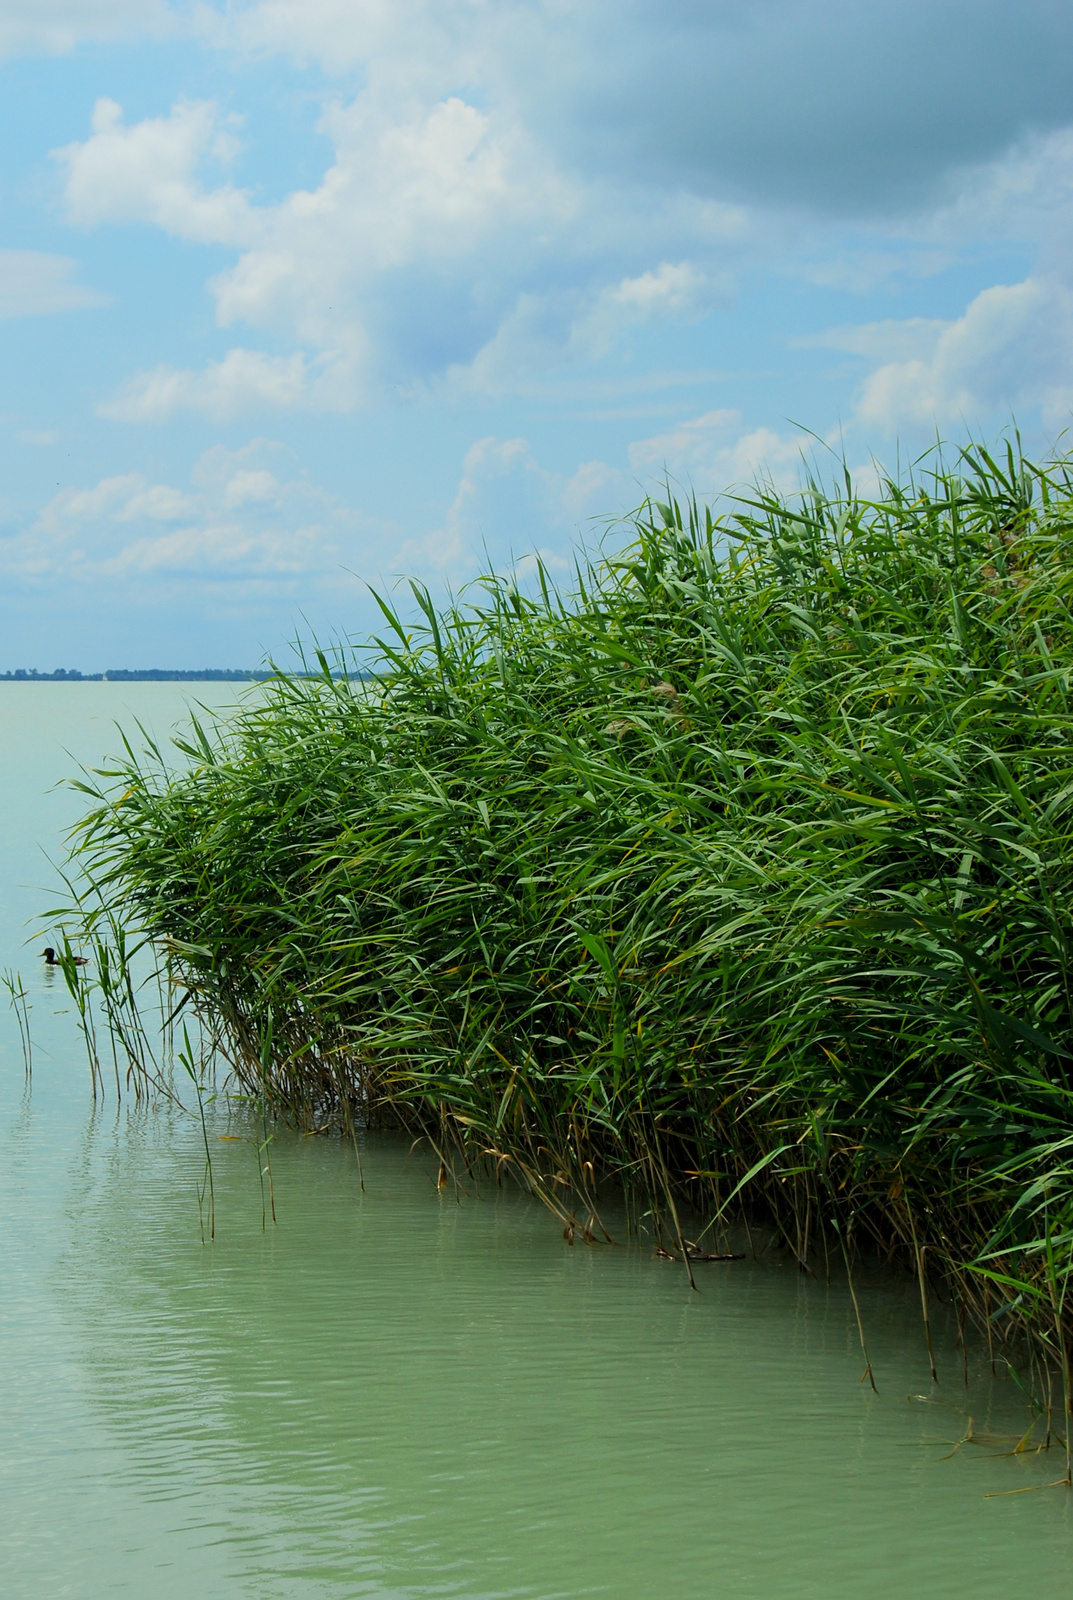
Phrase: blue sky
[297,295]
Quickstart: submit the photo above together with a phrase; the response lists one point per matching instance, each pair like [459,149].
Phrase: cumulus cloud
[1010,352]
[148,173]
[402,265]
[514,188]
[711,454]
[244,381]
[246,525]
[673,291]
[558,327]
[842,106]
[35,284]
[509,508]
[410,246]
[251,487]
[490,466]
[403,257]
[595,487]
[1020,195]
[237,523]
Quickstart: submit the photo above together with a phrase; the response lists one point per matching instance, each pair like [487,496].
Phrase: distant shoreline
[158,675]
[149,675]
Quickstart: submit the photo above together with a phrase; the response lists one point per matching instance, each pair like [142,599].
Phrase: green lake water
[400,1392]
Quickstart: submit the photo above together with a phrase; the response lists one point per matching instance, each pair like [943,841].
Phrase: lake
[396,1391]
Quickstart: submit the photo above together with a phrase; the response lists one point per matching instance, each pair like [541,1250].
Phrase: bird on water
[53,960]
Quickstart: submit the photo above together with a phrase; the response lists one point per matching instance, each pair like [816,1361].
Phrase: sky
[303,296]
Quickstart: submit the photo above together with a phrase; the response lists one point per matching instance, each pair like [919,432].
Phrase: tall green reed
[738,875]
[19,1001]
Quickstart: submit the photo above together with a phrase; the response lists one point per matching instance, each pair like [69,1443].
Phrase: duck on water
[53,960]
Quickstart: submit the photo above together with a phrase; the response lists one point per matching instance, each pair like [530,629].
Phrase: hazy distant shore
[153,675]
[148,675]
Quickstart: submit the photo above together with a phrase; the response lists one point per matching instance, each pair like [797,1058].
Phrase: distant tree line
[148,675]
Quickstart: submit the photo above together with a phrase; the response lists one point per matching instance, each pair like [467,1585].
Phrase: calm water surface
[396,1393]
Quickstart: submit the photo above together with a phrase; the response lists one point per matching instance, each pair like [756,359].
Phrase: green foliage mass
[741,873]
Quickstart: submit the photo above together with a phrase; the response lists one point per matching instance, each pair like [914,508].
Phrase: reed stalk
[19,1001]
[743,866]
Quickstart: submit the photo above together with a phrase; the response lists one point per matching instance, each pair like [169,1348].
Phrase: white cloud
[558,327]
[421,214]
[251,488]
[911,339]
[409,260]
[710,454]
[859,107]
[448,240]
[678,288]
[72,507]
[158,502]
[686,444]
[238,522]
[55,27]
[244,381]
[460,237]
[35,284]
[1019,196]
[148,173]
[679,291]
[1011,350]
[340,34]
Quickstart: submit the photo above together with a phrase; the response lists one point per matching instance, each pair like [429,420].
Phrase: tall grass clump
[737,873]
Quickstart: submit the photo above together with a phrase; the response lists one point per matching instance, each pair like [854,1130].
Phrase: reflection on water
[401,1393]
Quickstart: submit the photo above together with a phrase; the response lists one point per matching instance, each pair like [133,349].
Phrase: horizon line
[161,675]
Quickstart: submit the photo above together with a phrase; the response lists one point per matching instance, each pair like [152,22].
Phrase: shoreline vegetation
[737,875]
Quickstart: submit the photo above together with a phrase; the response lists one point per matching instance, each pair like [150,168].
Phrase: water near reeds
[396,1394]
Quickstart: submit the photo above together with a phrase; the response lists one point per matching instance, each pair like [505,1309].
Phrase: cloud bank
[237,524]
[589,246]
[512,191]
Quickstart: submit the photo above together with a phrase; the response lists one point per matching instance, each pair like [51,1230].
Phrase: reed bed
[737,873]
